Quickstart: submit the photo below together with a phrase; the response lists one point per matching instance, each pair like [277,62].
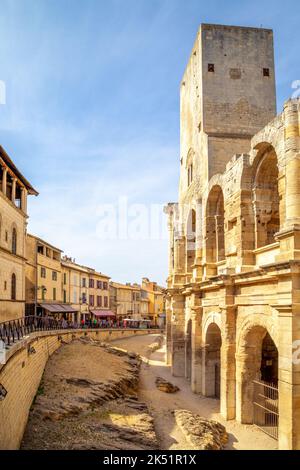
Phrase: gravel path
[242,437]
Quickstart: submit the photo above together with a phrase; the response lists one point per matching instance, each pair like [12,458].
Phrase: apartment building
[14,190]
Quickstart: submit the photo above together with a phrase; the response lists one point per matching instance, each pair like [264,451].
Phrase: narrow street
[161,405]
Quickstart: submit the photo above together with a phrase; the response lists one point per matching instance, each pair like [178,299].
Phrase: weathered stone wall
[237,97]
[221,110]
[22,373]
[243,281]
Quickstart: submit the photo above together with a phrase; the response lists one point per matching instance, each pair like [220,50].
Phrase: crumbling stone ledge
[201,433]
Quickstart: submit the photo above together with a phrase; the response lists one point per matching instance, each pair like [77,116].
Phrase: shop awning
[103,313]
[135,320]
[58,308]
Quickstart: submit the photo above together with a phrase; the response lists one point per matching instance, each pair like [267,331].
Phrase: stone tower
[233,297]
[227,96]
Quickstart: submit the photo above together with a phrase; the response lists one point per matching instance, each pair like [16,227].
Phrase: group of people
[97,323]
[101,323]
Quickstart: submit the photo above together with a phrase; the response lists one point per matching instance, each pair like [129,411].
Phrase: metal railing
[265,404]
[14,330]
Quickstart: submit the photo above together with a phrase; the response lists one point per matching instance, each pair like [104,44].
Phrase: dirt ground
[87,400]
[98,397]
[161,405]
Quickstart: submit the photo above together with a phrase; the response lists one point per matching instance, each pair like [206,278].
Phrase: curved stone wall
[21,375]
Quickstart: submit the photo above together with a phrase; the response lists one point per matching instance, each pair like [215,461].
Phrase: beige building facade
[129,301]
[44,280]
[99,301]
[58,286]
[156,302]
[123,300]
[233,312]
[14,189]
[75,287]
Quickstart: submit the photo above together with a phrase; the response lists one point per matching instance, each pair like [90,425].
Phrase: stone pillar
[24,200]
[289,373]
[168,332]
[198,272]
[228,369]
[4,181]
[210,247]
[179,260]
[178,335]
[292,158]
[220,238]
[196,372]
[13,190]
[289,235]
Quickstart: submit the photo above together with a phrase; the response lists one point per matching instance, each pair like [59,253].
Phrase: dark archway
[259,357]
[213,343]
[266,198]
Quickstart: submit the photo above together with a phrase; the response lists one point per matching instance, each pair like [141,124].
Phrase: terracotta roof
[5,157]
[118,285]
[44,242]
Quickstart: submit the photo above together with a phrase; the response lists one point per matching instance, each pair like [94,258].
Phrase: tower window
[211,67]
[266,72]
[13,287]
[235,74]
[190,174]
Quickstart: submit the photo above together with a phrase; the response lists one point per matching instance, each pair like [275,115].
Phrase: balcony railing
[14,330]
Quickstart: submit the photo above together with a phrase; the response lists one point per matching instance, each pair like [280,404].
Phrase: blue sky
[92,109]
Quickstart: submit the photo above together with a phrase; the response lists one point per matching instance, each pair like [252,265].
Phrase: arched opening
[215,239]
[266,198]
[13,287]
[269,361]
[213,343]
[259,380]
[188,350]
[190,241]
[14,242]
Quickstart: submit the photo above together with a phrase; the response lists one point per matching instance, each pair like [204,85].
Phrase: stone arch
[214,317]
[212,360]
[266,195]
[216,180]
[250,351]
[214,222]
[270,135]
